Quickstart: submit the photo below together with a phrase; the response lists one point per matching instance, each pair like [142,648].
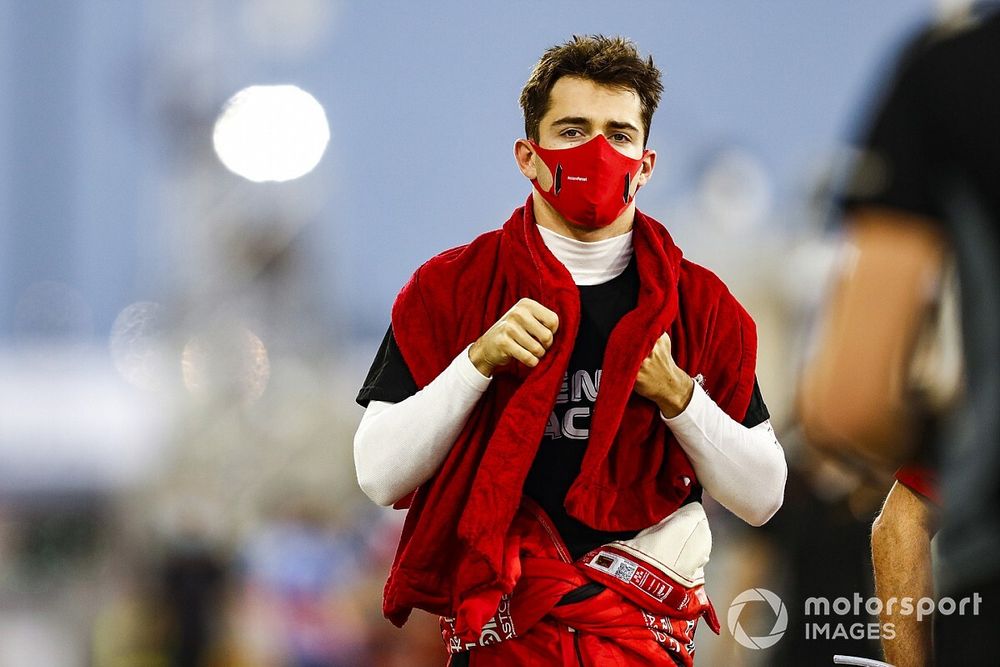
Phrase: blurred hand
[523,333]
[661,381]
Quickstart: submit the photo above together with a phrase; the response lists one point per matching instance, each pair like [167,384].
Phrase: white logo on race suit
[499,628]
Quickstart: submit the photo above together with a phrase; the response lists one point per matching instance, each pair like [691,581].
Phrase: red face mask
[591,183]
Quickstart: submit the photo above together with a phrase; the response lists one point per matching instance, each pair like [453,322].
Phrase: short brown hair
[610,61]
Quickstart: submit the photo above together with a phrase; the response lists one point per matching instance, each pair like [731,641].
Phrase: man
[533,402]
[927,188]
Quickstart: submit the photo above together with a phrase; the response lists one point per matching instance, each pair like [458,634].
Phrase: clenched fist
[523,333]
[661,381]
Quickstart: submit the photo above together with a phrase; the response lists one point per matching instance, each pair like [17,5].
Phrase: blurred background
[206,210]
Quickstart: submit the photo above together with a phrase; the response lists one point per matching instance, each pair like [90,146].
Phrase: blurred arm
[852,394]
[901,557]
[398,446]
[743,468]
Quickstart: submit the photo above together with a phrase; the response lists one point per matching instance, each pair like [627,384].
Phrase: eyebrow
[580,120]
[572,120]
[622,125]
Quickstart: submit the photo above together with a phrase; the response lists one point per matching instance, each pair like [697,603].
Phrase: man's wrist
[674,403]
[469,373]
[484,368]
[692,412]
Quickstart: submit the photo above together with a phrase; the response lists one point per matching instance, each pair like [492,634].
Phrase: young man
[533,402]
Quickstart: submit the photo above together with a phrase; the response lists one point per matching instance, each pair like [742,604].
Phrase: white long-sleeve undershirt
[743,468]
[398,446]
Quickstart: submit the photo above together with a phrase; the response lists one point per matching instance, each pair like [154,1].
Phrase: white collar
[590,262]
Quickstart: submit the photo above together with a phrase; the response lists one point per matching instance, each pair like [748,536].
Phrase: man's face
[579,110]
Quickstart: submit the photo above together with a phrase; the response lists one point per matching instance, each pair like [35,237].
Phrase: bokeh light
[271,133]
[226,361]
[138,345]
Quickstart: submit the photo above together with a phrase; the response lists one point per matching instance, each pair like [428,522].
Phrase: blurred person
[901,561]
[298,604]
[134,626]
[530,492]
[168,610]
[193,580]
[927,187]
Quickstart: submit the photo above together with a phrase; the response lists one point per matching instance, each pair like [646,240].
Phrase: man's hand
[523,333]
[661,381]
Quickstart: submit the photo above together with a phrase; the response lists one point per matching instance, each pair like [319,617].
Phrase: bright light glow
[139,346]
[229,361]
[271,133]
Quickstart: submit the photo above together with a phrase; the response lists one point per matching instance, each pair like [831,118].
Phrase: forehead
[573,96]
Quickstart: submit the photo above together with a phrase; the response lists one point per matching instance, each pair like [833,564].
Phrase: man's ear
[646,171]
[524,154]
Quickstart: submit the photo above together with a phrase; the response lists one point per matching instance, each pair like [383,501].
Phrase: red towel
[634,473]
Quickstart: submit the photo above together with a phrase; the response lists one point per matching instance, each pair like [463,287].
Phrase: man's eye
[621,136]
[571,133]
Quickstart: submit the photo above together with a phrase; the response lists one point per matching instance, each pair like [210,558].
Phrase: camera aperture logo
[780,618]
[843,617]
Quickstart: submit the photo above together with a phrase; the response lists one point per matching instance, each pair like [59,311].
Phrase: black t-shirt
[560,453]
[933,149]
